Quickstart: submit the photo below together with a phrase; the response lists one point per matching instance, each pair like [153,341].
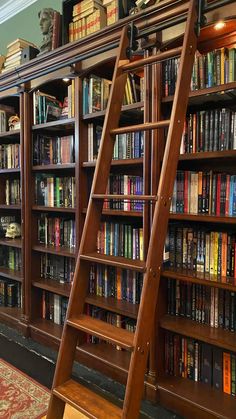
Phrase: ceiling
[9,8]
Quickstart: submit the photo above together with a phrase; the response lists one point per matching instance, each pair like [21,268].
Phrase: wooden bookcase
[12,209]
[182,395]
[186,395]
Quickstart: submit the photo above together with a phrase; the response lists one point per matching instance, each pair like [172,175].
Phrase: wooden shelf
[205,218]
[60,251]
[10,134]
[112,304]
[17,242]
[227,283]
[187,394]
[208,155]
[52,209]
[10,315]
[125,108]
[211,94]
[55,125]
[123,162]
[53,286]
[10,207]
[214,336]
[47,167]
[11,274]
[9,171]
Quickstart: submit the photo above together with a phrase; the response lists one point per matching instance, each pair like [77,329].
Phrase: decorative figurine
[13,230]
[14,122]
[46,25]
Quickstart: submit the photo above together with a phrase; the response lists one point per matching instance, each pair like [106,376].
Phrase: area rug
[20,396]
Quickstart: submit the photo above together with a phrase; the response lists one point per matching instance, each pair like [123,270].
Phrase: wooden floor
[71,413]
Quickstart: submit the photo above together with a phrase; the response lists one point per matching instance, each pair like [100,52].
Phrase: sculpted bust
[46,26]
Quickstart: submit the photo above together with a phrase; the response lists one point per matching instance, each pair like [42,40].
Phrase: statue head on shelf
[13,230]
[46,25]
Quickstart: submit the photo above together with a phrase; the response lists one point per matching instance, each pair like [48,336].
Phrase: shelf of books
[197,318]
[53,164]
[11,169]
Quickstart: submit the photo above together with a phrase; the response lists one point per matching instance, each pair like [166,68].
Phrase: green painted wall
[25,24]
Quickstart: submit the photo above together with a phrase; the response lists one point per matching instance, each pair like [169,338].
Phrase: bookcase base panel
[195,400]
[11,317]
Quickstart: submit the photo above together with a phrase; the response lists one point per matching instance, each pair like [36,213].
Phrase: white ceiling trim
[9,8]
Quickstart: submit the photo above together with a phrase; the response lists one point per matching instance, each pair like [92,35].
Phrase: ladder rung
[175,52]
[103,330]
[118,261]
[86,401]
[141,127]
[125,197]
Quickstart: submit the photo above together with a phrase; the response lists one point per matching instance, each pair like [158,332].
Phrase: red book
[218,185]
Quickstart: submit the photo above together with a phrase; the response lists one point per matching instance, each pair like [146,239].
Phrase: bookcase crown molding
[10,8]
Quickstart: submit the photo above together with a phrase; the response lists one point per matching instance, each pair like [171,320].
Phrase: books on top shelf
[96,92]
[212,69]
[14,53]
[88,17]
[48,108]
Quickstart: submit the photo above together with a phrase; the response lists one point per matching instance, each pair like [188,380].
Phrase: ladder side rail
[160,222]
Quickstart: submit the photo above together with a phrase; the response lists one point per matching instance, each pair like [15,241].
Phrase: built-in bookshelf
[196,313]
[11,213]
[53,182]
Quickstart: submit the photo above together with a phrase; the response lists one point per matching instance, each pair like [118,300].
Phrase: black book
[217,369]
[206,376]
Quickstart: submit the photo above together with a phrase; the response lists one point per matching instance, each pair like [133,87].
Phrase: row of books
[9,156]
[104,13]
[5,112]
[15,53]
[209,130]
[96,92]
[109,317]
[120,239]
[198,361]
[127,145]
[10,257]
[56,231]
[54,307]
[204,193]
[10,293]
[202,250]
[54,191]
[124,185]
[58,268]
[207,305]
[87,23]
[53,150]
[12,192]
[212,69]
[108,281]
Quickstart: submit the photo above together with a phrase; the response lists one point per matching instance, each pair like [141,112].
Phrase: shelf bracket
[201,20]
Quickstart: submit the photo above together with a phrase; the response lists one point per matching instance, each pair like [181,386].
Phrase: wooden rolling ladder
[65,390]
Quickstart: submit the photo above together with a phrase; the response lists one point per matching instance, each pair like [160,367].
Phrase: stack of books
[88,16]
[14,53]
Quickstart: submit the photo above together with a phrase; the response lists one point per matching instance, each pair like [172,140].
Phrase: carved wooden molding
[10,8]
